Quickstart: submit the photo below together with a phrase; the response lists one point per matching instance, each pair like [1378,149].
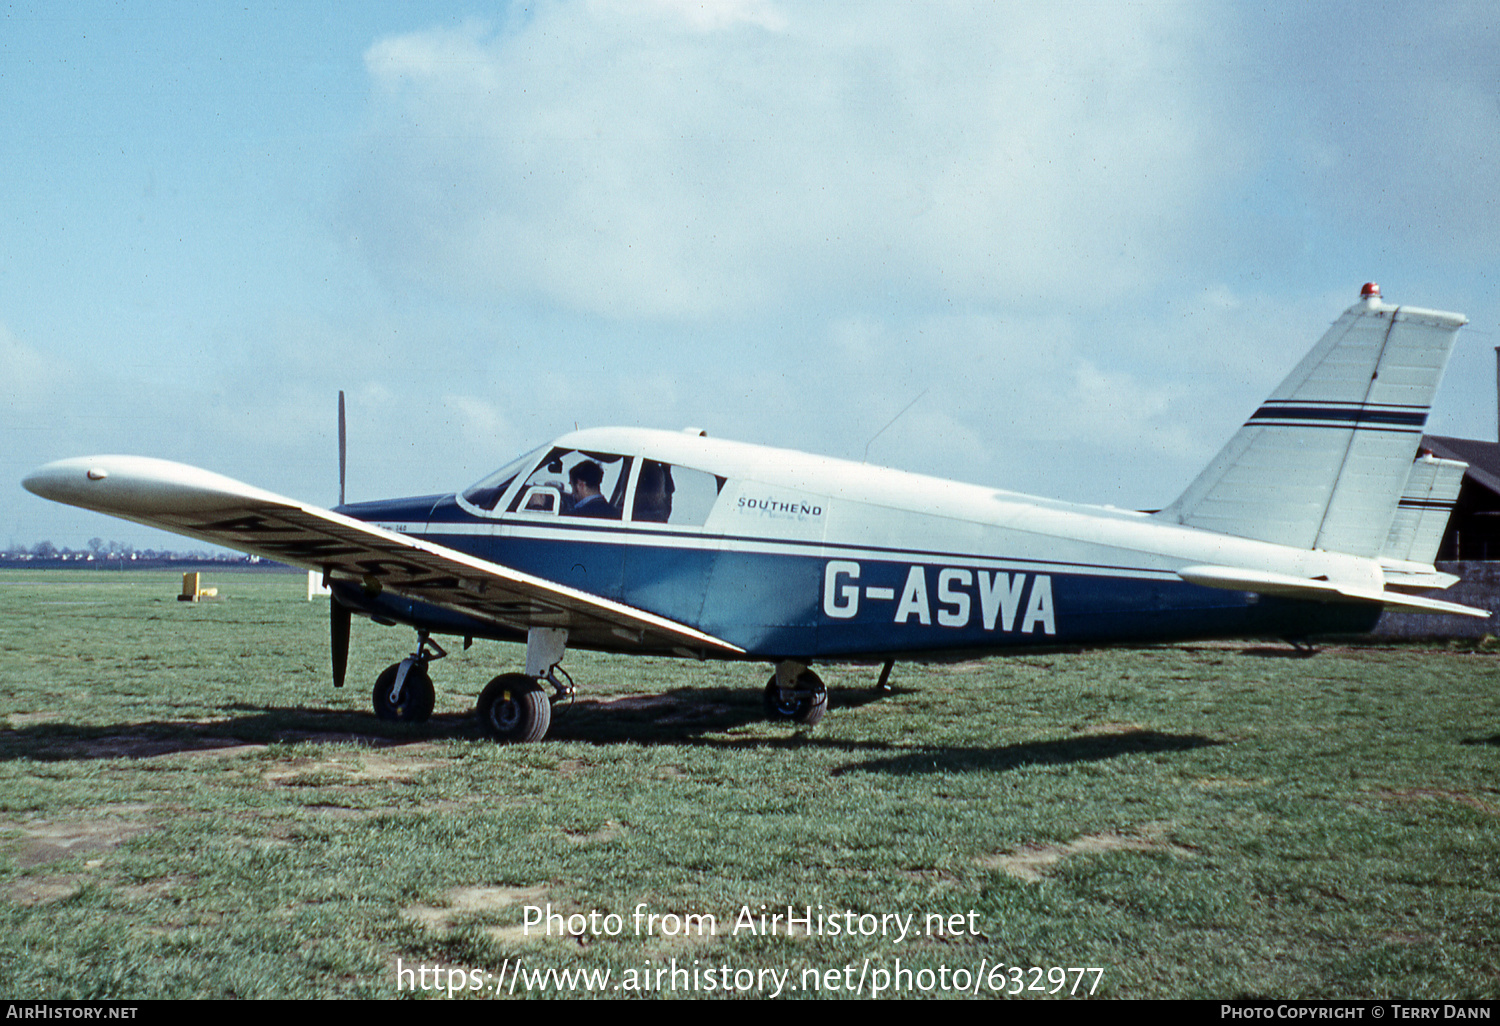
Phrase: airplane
[1318,514]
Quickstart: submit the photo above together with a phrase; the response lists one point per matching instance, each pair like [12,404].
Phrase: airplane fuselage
[812,558]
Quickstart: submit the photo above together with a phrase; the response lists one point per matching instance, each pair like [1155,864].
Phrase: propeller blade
[339,618]
[343,448]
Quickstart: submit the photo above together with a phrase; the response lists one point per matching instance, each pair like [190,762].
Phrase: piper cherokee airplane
[1317,514]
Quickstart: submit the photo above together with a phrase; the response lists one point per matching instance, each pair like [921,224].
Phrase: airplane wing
[1264,582]
[223,511]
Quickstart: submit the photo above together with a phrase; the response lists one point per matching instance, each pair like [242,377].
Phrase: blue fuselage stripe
[777,603]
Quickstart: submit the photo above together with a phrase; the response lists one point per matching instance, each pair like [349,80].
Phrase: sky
[1077,243]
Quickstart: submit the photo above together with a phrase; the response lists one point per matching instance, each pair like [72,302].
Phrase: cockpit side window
[575,483]
[666,494]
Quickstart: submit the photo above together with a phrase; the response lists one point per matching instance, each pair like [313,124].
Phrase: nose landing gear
[403,691]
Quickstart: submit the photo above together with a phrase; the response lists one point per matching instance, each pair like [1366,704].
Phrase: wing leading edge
[223,511]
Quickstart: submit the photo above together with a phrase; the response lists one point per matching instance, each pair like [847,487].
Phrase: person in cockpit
[653,493]
[588,501]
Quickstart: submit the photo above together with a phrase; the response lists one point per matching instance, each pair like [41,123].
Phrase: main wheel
[413,704]
[514,707]
[806,704]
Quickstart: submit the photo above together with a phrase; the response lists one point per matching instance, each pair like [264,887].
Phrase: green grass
[189,809]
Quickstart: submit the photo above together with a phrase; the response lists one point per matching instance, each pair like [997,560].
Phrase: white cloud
[714,15]
[730,158]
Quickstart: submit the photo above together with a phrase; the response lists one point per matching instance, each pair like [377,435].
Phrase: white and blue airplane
[1318,514]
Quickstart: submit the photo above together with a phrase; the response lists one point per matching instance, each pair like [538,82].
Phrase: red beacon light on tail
[1370,291]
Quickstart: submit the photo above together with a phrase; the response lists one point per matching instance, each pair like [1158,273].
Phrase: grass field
[189,809]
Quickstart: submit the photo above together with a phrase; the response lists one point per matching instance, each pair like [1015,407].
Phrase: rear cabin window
[665,494]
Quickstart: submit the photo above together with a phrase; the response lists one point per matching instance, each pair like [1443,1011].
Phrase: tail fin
[1323,462]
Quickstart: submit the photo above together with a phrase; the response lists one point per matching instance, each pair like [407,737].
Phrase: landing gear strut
[795,693]
[403,691]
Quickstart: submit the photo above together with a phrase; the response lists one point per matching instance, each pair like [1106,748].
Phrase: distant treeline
[46,556]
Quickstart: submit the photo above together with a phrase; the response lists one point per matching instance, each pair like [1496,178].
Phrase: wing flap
[220,510]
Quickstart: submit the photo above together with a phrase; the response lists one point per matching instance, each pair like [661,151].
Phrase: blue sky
[1091,236]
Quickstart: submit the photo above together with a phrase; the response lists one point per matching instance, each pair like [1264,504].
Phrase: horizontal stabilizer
[1415,576]
[1265,582]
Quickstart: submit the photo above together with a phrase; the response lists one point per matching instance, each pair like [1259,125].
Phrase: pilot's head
[588,473]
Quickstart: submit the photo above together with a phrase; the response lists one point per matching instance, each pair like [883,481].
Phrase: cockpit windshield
[485,495]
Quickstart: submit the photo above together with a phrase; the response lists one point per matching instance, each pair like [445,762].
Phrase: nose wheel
[403,691]
[409,702]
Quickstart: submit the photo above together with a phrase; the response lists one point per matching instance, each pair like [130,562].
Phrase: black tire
[805,705]
[413,705]
[514,707]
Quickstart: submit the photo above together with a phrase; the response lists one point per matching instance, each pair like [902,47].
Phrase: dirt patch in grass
[1113,729]
[18,721]
[42,890]
[227,751]
[478,901]
[572,767]
[1434,793]
[610,831]
[1228,783]
[335,811]
[364,767]
[44,841]
[1032,862]
[1408,939]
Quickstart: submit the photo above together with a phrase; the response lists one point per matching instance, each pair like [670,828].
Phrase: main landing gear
[795,693]
[515,706]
